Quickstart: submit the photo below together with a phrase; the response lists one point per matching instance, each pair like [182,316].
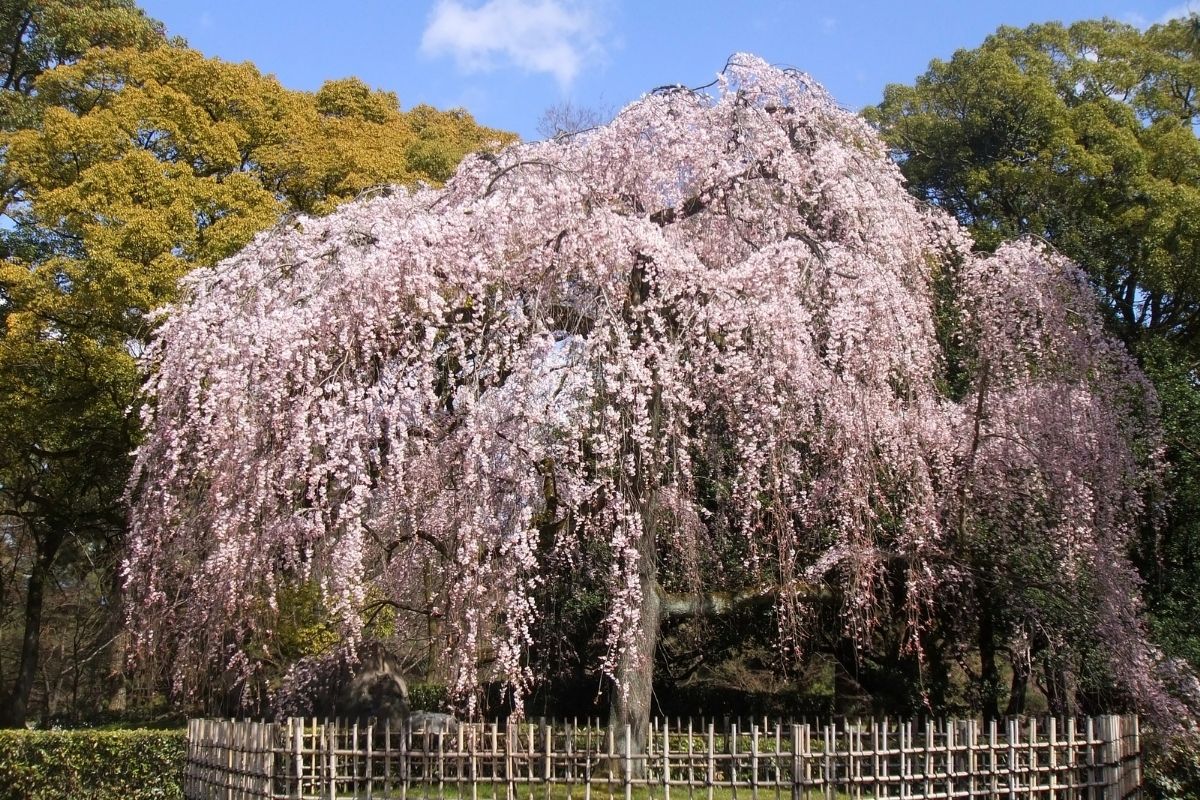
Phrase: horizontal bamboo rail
[1097,758]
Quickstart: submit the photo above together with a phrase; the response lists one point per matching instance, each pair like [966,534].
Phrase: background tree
[125,166]
[1084,136]
[567,118]
[37,35]
[702,347]
[1081,135]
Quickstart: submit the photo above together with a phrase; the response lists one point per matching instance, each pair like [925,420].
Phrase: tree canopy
[712,343]
[126,161]
[37,35]
[1082,135]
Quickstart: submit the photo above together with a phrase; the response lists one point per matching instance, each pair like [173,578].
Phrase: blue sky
[506,61]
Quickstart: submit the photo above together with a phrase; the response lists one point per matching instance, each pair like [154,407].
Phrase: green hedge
[91,765]
[428,697]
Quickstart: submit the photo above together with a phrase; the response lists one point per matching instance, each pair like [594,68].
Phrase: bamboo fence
[1096,758]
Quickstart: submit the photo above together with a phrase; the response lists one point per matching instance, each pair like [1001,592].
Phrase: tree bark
[1020,684]
[631,700]
[16,703]
[989,673]
[1059,688]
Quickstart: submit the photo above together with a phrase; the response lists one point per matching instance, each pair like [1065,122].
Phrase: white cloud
[828,24]
[552,36]
[1180,11]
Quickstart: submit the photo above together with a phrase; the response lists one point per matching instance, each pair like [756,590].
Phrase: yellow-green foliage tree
[123,165]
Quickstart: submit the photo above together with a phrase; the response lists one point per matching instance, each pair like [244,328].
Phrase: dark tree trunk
[1020,684]
[631,702]
[16,703]
[112,640]
[989,673]
[1060,688]
[633,695]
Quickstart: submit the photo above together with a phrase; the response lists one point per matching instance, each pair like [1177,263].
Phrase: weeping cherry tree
[717,318]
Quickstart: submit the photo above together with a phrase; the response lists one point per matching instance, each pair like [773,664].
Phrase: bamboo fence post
[1090,732]
[547,759]
[529,762]
[1108,725]
[972,758]
[1137,758]
[610,755]
[875,785]
[666,760]
[223,734]
[510,789]
[494,757]
[1072,756]
[569,746]
[405,758]
[778,761]
[710,772]
[691,755]
[950,732]
[853,765]
[369,766]
[732,740]
[331,757]
[354,774]
[929,756]
[441,763]
[1012,734]
[754,760]
[200,775]
[193,756]
[387,758]
[547,746]
[828,763]
[808,760]
[1034,780]
[196,756]
[795,762]
[993,776]
[628,771]
[1052,761]
[885,764]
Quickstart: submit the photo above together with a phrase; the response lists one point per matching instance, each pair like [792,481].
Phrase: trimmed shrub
[428,697]
[91,765]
